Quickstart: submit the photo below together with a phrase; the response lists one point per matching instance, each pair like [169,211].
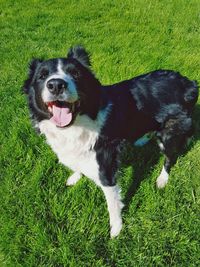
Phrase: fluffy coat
[99,118]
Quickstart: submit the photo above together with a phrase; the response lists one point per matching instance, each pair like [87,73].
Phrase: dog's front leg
[115,205]
[107,154]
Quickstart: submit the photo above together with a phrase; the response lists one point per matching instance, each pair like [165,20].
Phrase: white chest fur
[74,145]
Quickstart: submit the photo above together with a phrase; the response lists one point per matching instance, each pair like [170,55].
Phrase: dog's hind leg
[73,179]
[173,139]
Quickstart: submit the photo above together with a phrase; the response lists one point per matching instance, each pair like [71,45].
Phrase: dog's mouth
[62,112]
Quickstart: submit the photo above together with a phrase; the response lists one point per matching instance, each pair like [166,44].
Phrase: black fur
[90,88]
[33,65]
[107,154]
[80,54]
[161,101]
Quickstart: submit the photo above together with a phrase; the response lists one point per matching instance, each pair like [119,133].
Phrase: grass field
[43,223]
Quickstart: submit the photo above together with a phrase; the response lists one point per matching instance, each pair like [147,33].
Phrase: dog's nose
[56,86]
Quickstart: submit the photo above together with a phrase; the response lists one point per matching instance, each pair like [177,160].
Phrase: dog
[85,122]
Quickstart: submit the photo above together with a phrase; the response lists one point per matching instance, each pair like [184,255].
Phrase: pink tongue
[61,116]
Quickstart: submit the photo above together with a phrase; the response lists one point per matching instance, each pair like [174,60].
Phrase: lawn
[44,223]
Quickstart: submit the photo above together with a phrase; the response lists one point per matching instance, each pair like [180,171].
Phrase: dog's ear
[79,53]
[33,65]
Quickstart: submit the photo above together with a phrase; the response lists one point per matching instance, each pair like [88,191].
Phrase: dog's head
[59,89]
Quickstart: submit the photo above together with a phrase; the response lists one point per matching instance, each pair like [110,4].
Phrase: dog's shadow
[143,159]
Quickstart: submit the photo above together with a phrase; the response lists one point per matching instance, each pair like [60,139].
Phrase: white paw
[115,229]
[161,182]
[162,179]
[73,179]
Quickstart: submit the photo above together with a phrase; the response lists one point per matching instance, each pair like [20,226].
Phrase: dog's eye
[44,74]
[72,71]
[75,73]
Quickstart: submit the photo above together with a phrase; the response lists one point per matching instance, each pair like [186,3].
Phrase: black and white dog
[85,122]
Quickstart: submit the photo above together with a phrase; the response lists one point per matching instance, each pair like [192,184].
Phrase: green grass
[43,223]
